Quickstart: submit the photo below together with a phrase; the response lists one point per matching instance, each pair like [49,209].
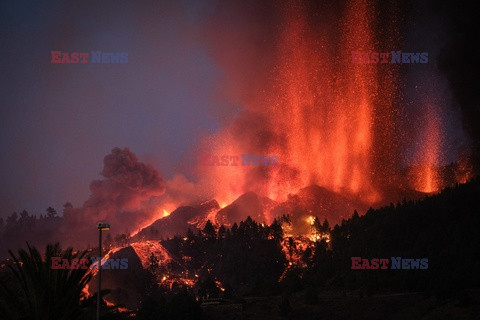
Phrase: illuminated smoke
[330,121]
[120,198]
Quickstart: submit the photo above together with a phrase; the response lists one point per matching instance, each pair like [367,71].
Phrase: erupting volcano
[427,173]
[298,159]
[337,127]
[331,122]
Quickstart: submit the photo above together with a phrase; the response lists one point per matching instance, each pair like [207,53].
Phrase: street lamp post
[100,226]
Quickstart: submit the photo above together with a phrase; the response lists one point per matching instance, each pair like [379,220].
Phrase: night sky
[58,121]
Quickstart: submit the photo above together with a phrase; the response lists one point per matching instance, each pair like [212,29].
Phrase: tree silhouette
[153,266]
[51,212]
[222,232]
[12,219]
[43,292]
[209,230]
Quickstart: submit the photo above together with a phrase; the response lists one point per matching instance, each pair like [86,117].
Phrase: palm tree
[37,291]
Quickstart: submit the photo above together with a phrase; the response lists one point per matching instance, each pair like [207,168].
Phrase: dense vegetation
[442,228]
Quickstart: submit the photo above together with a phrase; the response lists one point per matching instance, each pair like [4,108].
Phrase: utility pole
[100,226]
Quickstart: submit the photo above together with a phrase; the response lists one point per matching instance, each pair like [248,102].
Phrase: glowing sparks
[219,285]
[320,109]
[165,213]
[311,220]
[426,174]
[314,237]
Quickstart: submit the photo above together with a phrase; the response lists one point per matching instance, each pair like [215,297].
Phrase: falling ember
[219,285]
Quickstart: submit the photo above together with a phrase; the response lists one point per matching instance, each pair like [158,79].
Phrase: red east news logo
[83,57]
[396,263]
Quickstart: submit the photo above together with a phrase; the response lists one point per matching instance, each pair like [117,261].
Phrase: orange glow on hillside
[159,214]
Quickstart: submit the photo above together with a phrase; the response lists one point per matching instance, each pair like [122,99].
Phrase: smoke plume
[121,198]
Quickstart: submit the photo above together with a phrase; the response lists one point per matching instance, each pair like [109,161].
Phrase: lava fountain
[319,112]
[426,173]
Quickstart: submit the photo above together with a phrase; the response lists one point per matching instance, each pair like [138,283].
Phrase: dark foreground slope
[442,228]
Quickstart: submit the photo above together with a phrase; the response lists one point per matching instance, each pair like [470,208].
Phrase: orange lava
[85,293]
[144,249]
[159,214]
[321,114]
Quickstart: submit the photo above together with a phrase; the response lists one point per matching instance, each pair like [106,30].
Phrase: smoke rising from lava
[121,198]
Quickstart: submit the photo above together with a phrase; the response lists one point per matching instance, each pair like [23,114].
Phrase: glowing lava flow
[85,293]
[159,214]
[144,249]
